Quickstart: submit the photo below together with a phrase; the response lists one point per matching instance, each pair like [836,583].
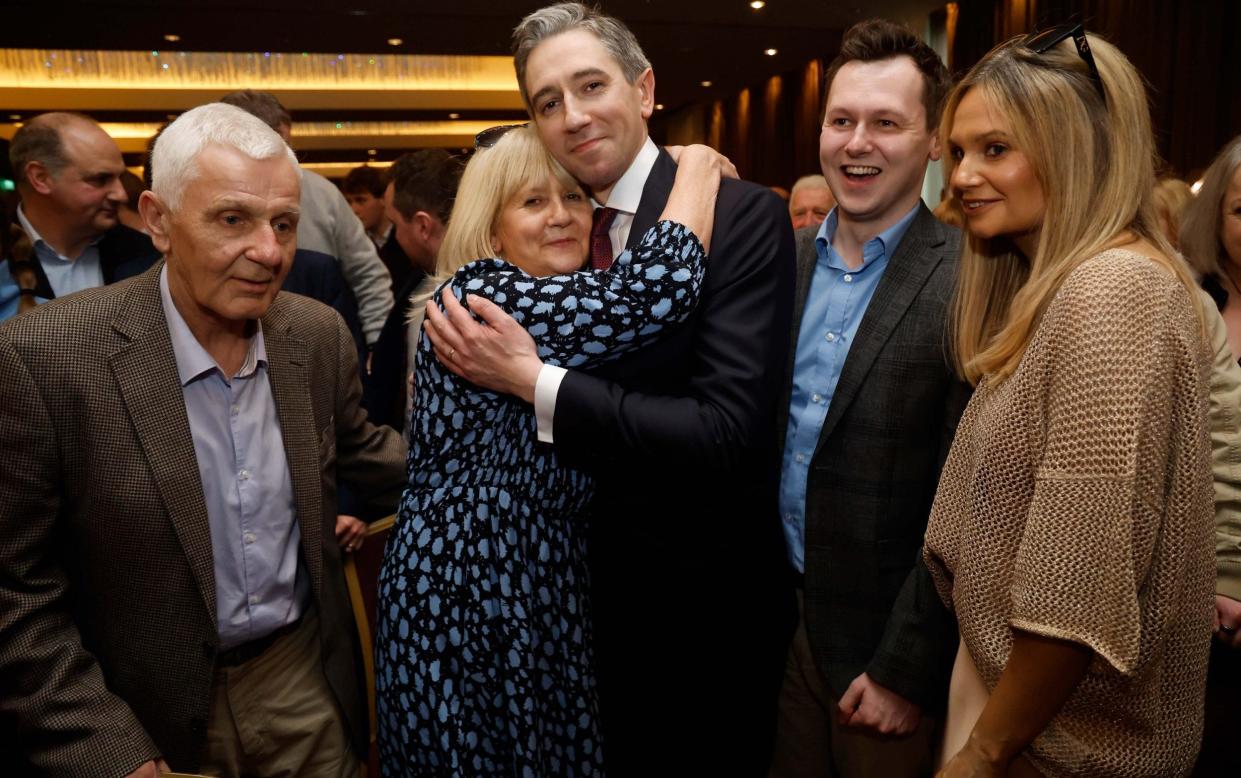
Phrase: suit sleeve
[68,723]
[369,458]
[730,392]
[915,656]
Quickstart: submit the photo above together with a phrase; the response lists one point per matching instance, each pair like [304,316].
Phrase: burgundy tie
[600,241]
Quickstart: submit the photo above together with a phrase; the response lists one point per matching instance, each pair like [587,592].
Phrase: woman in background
[1211,241]
[1071,533]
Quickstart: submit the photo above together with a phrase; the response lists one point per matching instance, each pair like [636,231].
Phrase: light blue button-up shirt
[255,536]
[835,305]
[65,275]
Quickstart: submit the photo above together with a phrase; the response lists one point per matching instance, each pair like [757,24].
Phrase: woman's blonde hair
[1095,161]
[1202,218]
[1171,197]
[493,176]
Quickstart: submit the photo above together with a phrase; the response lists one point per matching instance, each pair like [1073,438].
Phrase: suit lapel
[807,257]
[654,197]
[145,372]
[287,364]
[915,259]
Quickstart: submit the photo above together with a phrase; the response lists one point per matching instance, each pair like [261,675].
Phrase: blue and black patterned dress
[483,647]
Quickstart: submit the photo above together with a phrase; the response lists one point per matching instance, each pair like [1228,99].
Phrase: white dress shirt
[624,197]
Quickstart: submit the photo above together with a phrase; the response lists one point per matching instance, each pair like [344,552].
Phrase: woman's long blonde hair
[1095,160]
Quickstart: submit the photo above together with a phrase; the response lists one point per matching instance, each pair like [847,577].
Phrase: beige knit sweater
[1076,503]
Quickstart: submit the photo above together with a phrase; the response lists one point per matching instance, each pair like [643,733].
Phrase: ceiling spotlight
[395,41]
[454,116]
[372,152]
[770,52]
[659,106]
[17,117]
[757,5]
[706,83]
[172,37]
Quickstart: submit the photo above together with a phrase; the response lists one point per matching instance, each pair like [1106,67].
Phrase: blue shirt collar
[193,361]
[879,246]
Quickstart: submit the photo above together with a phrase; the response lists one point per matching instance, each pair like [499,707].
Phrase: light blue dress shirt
[836,302]
[65,275]
[255,537]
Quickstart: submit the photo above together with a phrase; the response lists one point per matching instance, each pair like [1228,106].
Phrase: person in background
[419,197]
[1071,532]
[1210,239]
[810,201]
[68,175]
[173,594]
[327,224]
[1171,197]
[364,188]
[128,211]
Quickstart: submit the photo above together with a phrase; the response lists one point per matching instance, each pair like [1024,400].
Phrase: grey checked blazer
[874,473]
[107,593]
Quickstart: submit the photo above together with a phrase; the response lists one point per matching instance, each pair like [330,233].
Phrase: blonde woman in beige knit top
[1071,534]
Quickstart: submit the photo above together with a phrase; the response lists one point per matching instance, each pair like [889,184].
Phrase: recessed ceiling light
[395,41]
[770,52]
[706,83]
[372,152]
[757,5]
[172,37]
[454,116]
[17,117]
[659,106]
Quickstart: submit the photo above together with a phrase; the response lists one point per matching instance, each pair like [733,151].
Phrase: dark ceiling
[688,41]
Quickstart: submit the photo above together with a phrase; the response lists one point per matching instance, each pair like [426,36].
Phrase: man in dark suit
[69,176]
[169,451]
[870,406]
[692,603]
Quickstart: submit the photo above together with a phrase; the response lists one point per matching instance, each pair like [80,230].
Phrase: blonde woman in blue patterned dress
[483,656]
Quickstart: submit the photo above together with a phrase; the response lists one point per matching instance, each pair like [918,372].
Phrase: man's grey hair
[563,17]
[39,141]
[173,158]
[809,182]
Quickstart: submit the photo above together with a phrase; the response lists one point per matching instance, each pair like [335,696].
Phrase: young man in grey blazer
[870,406]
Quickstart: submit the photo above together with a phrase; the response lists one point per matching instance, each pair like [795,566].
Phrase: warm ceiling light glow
[454,116]
[372,152]
[770,52]
[17,117]
[172,37]
[1197,186]
[659,106]
[395,41]
[757,5]
[706,83]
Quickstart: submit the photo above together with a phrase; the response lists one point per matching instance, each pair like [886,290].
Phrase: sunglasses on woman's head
[490,136]
[1045,41]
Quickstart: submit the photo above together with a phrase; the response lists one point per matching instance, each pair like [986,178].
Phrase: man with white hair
[172,593]
[810,201]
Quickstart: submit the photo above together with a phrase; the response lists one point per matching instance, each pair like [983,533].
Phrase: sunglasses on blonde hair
[1045,41]
[490,136]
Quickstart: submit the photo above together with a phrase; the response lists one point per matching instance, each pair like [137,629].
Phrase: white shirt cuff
[546,387]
